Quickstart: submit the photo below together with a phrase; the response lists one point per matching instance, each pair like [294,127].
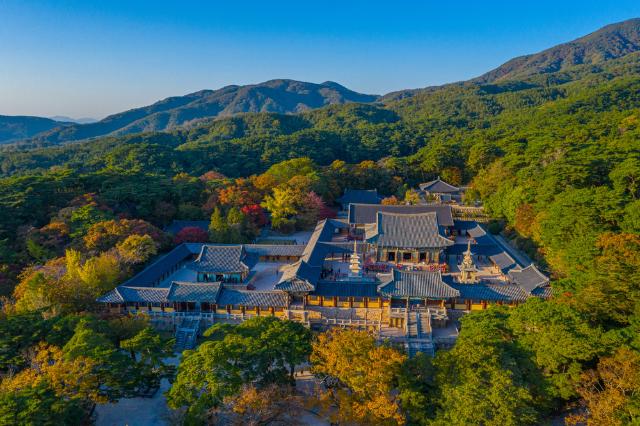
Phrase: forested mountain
[281,96]
[17,127]
[610,42]
[554,157]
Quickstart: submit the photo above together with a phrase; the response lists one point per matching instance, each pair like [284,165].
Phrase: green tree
[259,351]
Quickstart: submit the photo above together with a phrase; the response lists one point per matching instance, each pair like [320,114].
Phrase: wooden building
[407,238]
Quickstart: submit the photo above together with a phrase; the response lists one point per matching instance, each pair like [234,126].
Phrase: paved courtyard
[266,275]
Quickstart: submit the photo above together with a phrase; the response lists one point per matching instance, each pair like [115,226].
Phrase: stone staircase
[418,336]
[425,325]
[413,325]
[187,334]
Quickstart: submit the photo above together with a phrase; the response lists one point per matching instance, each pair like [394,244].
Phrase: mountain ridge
[278,95]
[18,127]
[291,96]
[609,42]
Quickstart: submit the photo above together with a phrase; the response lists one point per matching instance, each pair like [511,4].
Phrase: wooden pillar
[214,308]
[258,310]
[321,300]
[442,303]
[484,304]
[366,302]
[271,310]
[335,301]
[468,302]
[350,302]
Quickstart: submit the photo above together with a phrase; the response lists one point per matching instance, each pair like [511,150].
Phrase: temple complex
[405,272]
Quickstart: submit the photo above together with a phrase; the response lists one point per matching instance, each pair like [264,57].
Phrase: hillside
[610,42]
[16,127]
[281,96]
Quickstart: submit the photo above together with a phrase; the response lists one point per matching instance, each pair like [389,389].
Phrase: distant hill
[281,96]
[16,127]
[64,118]
[610,42]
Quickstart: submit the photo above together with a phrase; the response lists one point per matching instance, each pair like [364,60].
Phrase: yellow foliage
[368,371]
[67,378]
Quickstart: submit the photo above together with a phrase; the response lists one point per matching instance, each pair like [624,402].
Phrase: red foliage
[327,213]
[191,234]
[255,213]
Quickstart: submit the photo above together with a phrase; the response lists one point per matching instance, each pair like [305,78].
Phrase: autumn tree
[365,375]
[610,289]
[191,234]
[137,249]
[254,406]
[105,235]
[611,392]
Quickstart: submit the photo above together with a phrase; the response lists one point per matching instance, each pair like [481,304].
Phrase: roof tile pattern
[528,278]
[408,231]
[193,292]
[346,289]
[135,295]
[253,298]
[439,187]
[221,258]
[423,284]
[294,250]
[491,292]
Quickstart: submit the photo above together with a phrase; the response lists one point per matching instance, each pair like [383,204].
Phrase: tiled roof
[178,225]
[528,278]
[346,289]
[193,292]
[476,232]
[438,186]
[365,196]
[304,274]
[221,258]
[503,261]
[423,284]
[275,249]
[407,230]
[544,292]
[135,295]
[163,264]
[298,277]
[111,297]
[492,292]
[253,298]
[366,213]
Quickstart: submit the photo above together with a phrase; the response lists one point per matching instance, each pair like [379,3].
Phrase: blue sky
[92,58]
